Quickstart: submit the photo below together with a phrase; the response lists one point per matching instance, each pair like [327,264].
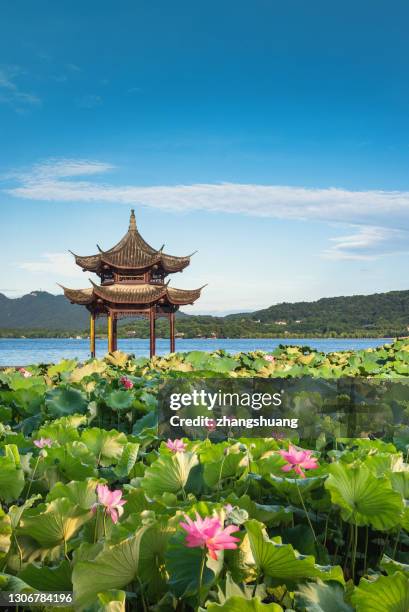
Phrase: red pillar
[115,334]
[172,331]
[152,339]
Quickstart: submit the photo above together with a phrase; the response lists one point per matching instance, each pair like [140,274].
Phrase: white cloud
[57,169]
[11,93]
[382,215]
[57,264]
[368,243]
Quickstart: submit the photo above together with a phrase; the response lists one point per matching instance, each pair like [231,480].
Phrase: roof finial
[132,221]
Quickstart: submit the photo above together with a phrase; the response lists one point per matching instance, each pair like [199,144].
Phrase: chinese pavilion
[132,276]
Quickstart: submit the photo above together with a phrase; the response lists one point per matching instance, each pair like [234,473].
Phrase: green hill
[41,310]
[380,314]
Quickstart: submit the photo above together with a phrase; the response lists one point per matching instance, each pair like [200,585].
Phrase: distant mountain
[376,311]
[380,314]
[40,309]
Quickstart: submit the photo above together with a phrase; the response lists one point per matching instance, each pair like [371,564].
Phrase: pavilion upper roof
[132,294]
[132,253]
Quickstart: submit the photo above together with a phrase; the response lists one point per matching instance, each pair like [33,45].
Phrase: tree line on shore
[360,316]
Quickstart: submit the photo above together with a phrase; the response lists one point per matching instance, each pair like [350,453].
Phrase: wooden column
[92,334]
[114,334]
[110,333]
[172,331]
[152,338]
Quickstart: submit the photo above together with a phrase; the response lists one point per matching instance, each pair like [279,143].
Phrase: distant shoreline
[344,336]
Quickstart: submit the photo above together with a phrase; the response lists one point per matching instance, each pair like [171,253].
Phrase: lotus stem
[366,549]
[354,549]
[348,547]
[202,566]
[20,552]
[256,585]
[326,528]
[96,524]
[395,547]
[306,513]
[145,608]
[219,486]
[105,524]
[32,478]
[65,550]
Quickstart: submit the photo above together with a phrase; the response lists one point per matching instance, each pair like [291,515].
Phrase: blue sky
[271,136]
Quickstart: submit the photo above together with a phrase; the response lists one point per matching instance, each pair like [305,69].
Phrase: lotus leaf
[11,474]
[168,474]
[239,604]
[363,498]
[54,523]
[322,597]
[114,567]
[385,594]
[63,401]
[281,563]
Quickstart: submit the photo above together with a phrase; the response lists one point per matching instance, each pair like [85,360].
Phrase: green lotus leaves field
[92,501]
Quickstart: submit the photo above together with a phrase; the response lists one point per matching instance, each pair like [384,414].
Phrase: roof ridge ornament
[132,221]
[131,253]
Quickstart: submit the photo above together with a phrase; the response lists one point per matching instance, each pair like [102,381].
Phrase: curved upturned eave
[170,264]
[83,297]
[174,264]
[90,263]
[132,294]
[182,297]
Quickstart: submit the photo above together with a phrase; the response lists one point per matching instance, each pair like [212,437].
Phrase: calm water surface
[21,351]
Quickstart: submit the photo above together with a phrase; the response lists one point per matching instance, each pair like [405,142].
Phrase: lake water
[22,351]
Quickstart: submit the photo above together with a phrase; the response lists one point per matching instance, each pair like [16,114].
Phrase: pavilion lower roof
[132,253]
[132,294]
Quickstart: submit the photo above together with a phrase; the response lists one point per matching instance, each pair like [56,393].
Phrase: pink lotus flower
[269,358]
[298,460]
[176,446]
[43,443]
[209,533]
[111,501]
[25,373]
[126,383]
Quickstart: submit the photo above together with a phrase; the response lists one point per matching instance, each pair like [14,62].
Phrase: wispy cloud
[57,264]
[382,217]
[73,67]
[368,243]
[51,169]
[89,101]
[12,94]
